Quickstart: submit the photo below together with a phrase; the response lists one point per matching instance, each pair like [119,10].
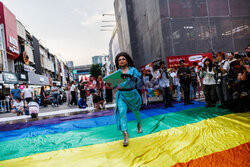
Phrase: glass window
[180,8]
[187,8]
[202,33]
[167,40]
[163,4]
[221,34]
[218,7]
[241,32]
[183,34]
[199,8]
[240,7]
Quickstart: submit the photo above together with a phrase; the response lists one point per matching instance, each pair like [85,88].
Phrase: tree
[95,70]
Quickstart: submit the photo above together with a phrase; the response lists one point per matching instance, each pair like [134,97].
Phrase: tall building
[10,38]
[70,64]
[100,59]
[154,29]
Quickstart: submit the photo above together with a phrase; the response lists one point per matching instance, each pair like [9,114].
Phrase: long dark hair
[127,57]
[210,64]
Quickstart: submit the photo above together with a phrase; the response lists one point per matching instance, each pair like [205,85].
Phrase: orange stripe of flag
[237,157]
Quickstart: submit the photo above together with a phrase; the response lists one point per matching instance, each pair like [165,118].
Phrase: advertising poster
[173,61]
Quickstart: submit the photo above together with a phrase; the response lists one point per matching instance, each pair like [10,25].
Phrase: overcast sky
[69,28]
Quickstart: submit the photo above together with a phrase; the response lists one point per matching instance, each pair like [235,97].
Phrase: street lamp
[108,21]
[108,14]
[106,30]
[108,26]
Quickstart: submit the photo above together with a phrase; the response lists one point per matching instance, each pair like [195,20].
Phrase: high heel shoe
[126,136]
[139,129]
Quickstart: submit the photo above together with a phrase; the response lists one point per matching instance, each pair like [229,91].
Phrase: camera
[124,76]
[216,64]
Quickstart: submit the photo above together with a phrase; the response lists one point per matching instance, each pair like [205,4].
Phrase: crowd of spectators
[224,80]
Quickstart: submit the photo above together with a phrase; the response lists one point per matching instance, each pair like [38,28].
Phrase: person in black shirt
[43,97]
[185,81]
[82,89]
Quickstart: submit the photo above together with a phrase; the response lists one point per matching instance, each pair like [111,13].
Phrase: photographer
[240,90]
[185,80]
[164,82]
[207,73]
[235,68]
[221,78]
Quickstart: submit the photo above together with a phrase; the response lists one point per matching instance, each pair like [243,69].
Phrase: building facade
[154,29]
[23,59]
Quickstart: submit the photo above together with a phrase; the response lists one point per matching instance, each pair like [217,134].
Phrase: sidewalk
[52,112]
[48,112]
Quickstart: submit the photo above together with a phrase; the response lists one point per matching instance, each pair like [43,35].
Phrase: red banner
[174,61]
[147,67]
[9,20]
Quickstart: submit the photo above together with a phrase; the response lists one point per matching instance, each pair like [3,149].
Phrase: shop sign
[8,19]
[174,61]
[41,79]
[23,76]
[35,79]
[10,78]
[26,68]
[74,71]
[13,46]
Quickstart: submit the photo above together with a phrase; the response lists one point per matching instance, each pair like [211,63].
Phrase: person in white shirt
[230,58]
[221,76]
[209,84]
[164,82]
[27,93]
[176,82]
[18,107]
[73,91]
[155,81]
[33,109]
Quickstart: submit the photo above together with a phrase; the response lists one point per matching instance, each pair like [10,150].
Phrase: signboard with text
[8,19]
[173,61]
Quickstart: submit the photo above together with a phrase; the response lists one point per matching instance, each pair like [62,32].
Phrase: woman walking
[209,84]
[127,96]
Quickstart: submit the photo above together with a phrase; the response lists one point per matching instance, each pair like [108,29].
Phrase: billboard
[8,19]
[173,61]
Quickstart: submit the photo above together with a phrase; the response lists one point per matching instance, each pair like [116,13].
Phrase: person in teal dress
[127,97]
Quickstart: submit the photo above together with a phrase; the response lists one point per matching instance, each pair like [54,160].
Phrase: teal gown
[128,99]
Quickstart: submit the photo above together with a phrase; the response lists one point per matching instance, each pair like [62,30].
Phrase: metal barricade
[5,106]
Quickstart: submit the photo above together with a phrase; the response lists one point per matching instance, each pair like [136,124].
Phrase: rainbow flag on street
[180,136]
